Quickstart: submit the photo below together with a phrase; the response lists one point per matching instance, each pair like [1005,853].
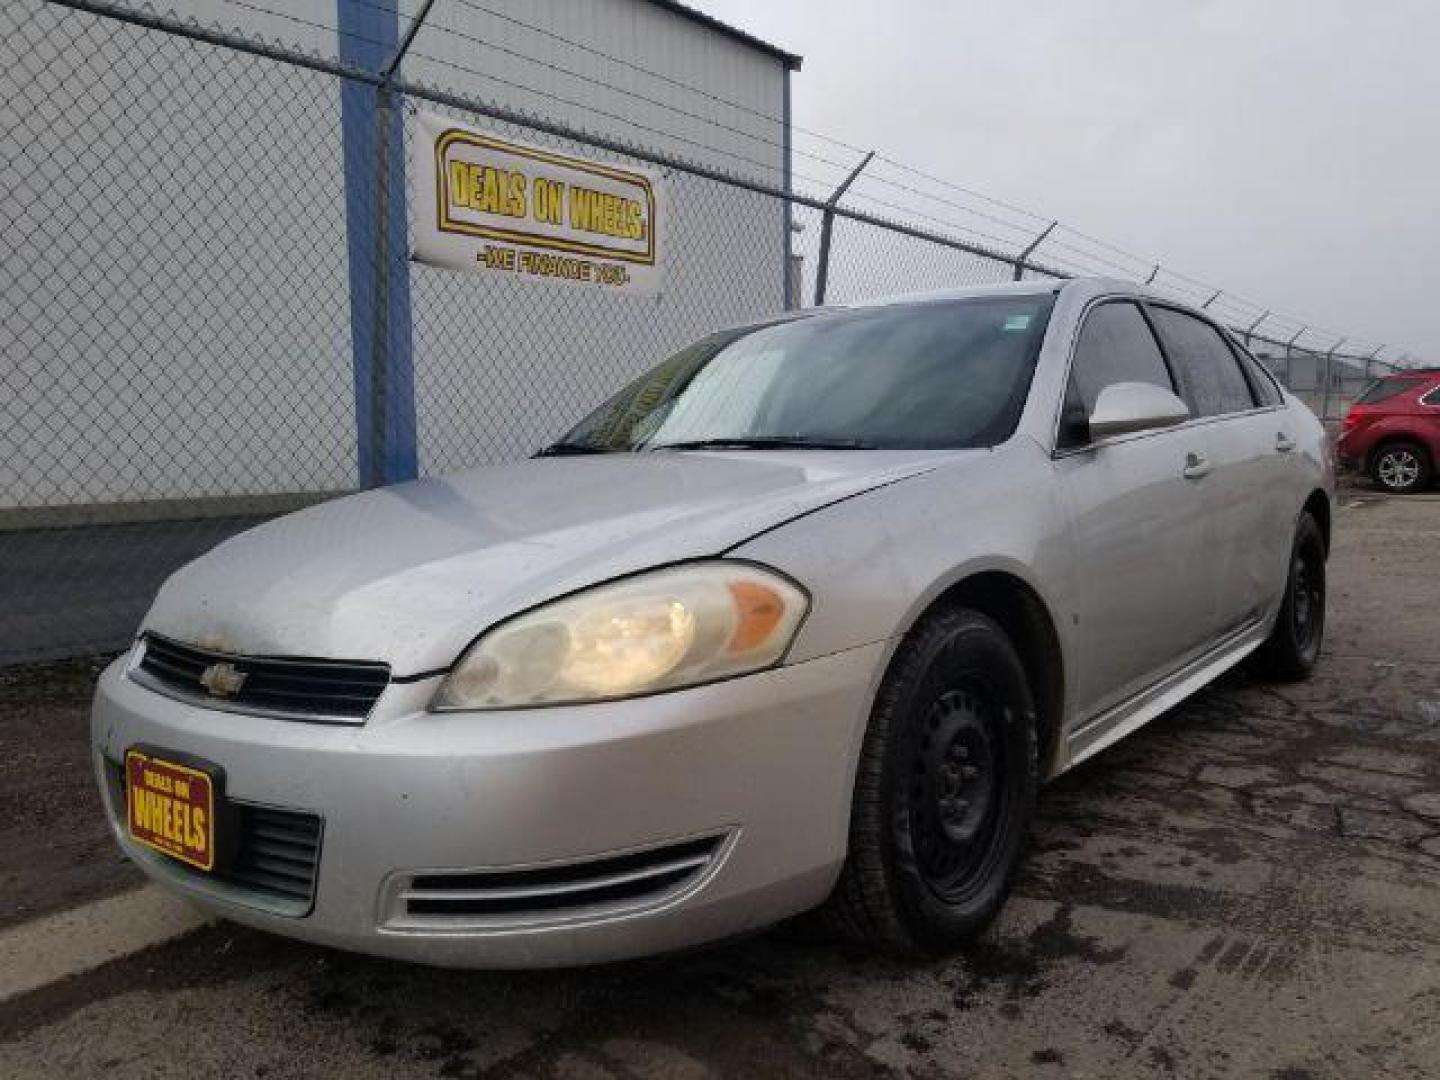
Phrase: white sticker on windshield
[1017,322]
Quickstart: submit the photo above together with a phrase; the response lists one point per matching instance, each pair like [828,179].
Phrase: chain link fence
[192,342]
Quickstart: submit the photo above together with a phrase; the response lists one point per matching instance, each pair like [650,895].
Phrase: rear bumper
[1349,457]
[762,766]
[1349,454]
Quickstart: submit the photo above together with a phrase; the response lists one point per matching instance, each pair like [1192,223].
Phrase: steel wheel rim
[1307,600]
[957,792]
[1399,468]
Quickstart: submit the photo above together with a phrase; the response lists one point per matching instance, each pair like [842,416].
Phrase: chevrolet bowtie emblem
[222,680]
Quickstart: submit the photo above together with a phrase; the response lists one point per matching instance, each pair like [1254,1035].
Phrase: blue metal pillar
[787,278]
[373,134]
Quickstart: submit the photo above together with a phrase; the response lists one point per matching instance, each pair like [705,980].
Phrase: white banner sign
[497,206]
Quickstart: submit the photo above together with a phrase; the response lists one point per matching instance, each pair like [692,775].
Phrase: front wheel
[1293,647]
[944,790]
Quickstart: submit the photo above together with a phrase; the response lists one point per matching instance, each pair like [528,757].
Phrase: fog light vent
[590,887]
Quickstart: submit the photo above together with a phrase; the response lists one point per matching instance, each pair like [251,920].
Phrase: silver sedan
[800,619]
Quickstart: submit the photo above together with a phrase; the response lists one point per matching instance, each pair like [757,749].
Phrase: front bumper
[762,766]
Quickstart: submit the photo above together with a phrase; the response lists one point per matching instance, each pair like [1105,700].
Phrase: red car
[1392,431]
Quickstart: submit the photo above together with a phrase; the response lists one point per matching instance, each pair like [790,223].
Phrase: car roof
[1090,286]
[1083,288]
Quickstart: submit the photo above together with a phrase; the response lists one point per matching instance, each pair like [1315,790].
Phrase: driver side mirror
[1127,407]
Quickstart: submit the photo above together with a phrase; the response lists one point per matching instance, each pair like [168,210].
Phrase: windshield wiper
[766,442]
[570,449]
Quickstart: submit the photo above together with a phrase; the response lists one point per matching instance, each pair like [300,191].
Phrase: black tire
[1293,647]
[943,792]
[1401,468]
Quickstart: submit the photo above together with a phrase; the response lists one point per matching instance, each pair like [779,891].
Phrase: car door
[1429,424]
[1249,479]
[1141,528]
[1284,485]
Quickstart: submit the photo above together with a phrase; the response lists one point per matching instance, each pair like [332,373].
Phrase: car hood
[410,574]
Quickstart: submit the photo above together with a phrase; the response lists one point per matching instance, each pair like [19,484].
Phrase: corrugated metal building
[177,304]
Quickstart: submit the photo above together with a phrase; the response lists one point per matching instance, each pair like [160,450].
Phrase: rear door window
[1115,346]
[1211,381]
[1383,389]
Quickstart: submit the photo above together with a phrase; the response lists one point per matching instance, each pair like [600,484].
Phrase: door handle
[1284,443]
[1196,466]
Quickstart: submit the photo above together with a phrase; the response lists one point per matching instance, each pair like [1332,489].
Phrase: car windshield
[918,375]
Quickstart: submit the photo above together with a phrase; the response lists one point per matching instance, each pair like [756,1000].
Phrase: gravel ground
[55,847]
[1249,887]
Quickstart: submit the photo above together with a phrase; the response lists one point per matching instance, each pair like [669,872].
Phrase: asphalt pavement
[1248,887]
[84,589]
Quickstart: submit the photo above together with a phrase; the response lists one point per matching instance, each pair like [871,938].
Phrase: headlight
[656,631]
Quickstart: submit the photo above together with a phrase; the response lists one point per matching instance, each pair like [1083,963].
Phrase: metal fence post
[375,214]
[1289,350]
[1370,360]
[827,225]
[380,434]
[787,211]
[1030,250]
[1255,326]
[1329,379]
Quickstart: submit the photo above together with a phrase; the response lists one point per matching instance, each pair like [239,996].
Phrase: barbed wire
[668,80]
[587,106]
[1067,247]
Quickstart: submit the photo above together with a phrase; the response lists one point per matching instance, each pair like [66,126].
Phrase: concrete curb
[35,954]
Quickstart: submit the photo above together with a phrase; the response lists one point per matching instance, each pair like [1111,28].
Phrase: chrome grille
[590,887]
[293,688]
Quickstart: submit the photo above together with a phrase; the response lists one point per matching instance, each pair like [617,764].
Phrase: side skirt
[1114,724]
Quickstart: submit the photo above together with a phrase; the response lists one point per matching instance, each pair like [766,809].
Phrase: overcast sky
[1284,149]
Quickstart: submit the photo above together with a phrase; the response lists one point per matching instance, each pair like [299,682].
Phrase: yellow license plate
[171,808]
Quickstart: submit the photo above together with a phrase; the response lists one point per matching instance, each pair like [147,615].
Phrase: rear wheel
[1294,645]
[945,787]
[1401,468]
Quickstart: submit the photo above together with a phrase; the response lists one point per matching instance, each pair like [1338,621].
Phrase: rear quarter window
[1266,391]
